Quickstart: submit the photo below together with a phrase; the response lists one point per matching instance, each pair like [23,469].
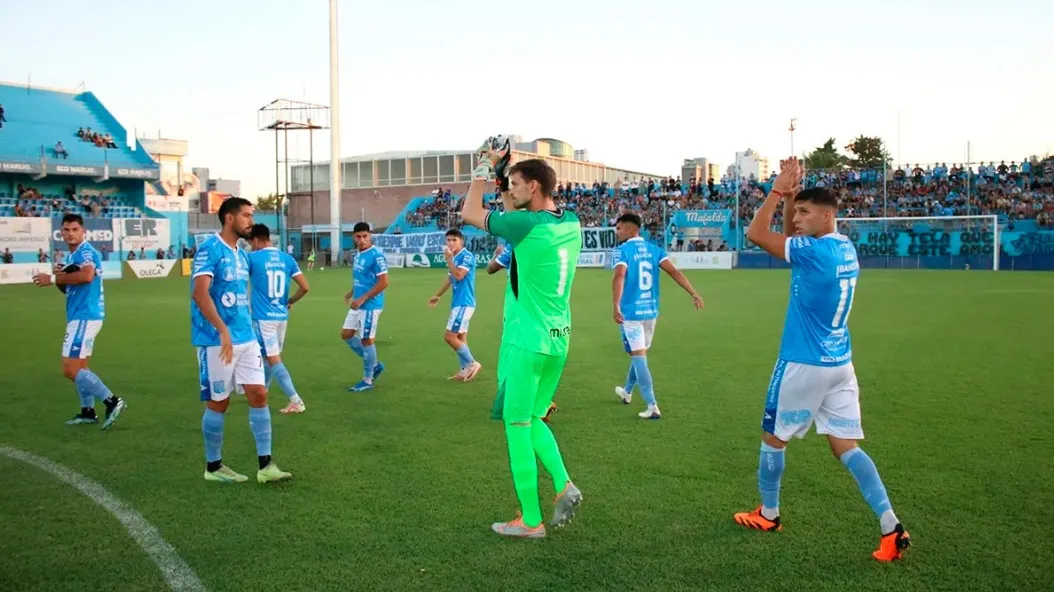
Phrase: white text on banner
[25,235]
[22,273]
[702,259]
[147,269]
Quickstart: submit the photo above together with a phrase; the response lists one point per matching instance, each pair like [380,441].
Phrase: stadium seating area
[37,119]
[31,203]
[1021,195]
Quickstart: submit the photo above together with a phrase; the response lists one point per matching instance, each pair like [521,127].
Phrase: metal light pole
[334,137]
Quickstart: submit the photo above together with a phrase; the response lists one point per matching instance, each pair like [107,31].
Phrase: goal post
[925,242]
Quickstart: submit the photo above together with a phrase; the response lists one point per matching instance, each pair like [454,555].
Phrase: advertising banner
[22,273]
[702,259]
[25,168]
[25,235]
[149,234]
[97,231]
[69,169]
[594,259]
[147,269]
[394,260]
[135,173]
[598,239]
[184,267]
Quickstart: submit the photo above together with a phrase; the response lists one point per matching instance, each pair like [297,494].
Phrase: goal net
[947,242]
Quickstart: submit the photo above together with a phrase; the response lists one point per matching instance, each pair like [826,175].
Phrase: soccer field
[395,489]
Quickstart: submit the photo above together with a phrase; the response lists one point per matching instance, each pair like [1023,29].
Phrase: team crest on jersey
[228,275]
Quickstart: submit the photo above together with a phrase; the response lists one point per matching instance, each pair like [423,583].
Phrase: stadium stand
[1021,195]
[74,129]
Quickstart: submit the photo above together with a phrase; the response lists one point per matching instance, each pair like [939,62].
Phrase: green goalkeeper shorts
[527,382]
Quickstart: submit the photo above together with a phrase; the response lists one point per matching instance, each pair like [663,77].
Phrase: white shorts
[80,339]
[636,335]
[271,336]
[800,394]
[363,322]
[217,379]
[459,319]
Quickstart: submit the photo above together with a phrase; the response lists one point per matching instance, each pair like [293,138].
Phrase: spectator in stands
[81,133]
[171,254]
[108,141]
[2,118]
[42,257]
[160,254]
[142,253]
[131,255]
[8,257]
[60,150]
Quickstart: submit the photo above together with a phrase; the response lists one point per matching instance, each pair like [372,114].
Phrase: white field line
[176,572]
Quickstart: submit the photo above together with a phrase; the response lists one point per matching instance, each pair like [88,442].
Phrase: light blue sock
[647,390]
[268,373]
[369,362]
[770,471]
[212,428]
[260,424]
[90,387]
[631,378]
[355,344]
[284,380]
[465,356]
[864,471]
[87,400]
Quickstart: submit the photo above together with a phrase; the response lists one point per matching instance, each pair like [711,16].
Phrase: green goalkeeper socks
[549,453]
[524,472]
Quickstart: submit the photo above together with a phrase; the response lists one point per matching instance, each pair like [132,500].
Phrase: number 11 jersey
[640,290]
[271,271]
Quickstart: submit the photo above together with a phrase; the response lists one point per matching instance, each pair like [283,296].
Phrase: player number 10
[275,283]
[845,303]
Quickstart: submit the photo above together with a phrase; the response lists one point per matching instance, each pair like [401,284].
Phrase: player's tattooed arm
[760,230]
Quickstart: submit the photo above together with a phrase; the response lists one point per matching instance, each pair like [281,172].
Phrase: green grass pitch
[395,489]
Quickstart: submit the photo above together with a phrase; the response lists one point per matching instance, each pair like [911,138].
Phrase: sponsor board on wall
[594,259]
[146,269]
[25,235]
[150,234]
[702,259]
[97,231]
[394,260]
[21,273]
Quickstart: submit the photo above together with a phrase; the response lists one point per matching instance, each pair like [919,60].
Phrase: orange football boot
[892,546]
[758,522]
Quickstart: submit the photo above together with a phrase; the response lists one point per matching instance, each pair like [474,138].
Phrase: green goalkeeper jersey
[538,294]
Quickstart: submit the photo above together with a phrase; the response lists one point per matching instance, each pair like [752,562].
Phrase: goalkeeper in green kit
[537,322]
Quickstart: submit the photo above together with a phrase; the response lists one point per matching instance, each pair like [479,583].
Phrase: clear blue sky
[642,85]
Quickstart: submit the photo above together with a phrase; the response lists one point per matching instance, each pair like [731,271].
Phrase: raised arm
[760,230]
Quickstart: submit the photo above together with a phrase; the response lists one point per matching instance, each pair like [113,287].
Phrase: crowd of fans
[1019,192]
[31,204]
[100,140]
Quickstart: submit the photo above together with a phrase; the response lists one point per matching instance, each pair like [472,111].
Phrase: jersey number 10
[275,283]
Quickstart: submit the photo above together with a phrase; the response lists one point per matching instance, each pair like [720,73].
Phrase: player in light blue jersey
[461,267]
[80,278]
[229,357]
[271,271]
[814,379]
[635,299]
[366,301]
